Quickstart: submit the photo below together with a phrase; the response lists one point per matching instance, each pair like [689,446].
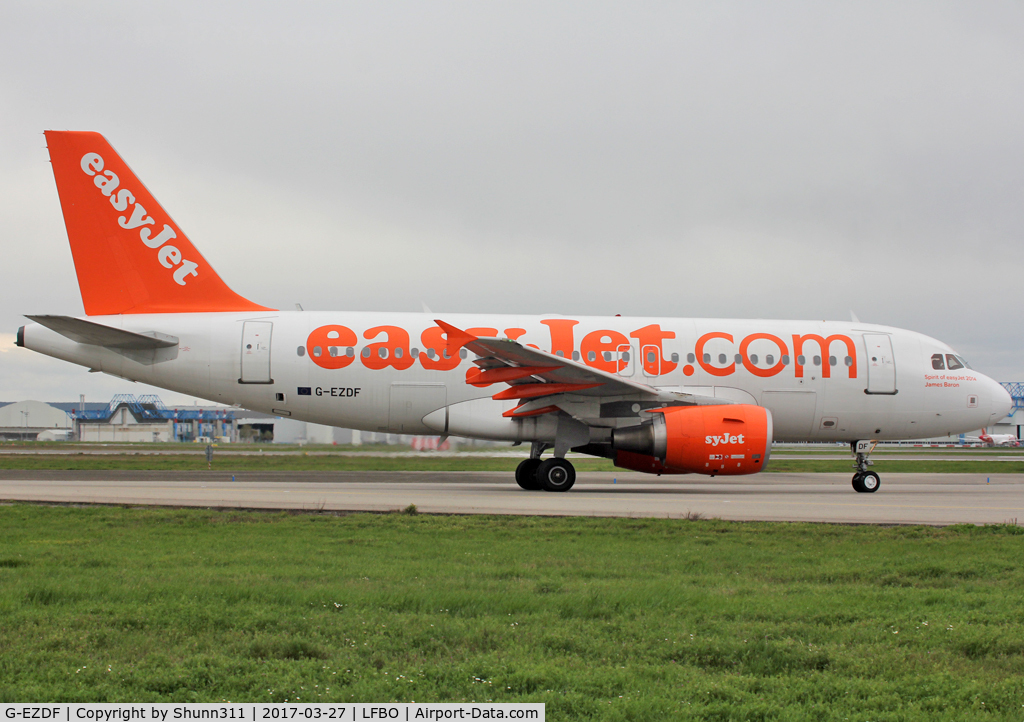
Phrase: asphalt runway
[935,499]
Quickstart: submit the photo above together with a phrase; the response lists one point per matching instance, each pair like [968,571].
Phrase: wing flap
[545,368]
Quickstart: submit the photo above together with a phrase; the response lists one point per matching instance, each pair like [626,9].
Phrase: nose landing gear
[864,481]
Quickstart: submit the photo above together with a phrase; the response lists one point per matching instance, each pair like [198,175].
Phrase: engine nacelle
[728,439]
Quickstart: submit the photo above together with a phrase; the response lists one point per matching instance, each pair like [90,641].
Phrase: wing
[545,383]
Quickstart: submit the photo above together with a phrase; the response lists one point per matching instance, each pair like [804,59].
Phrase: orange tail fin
[129,255]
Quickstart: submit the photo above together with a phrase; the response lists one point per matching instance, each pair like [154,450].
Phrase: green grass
[356,462]
[612,619]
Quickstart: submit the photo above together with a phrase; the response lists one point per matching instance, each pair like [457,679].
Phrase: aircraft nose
[1001,402]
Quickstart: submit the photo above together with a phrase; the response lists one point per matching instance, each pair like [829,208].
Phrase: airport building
[134,419]
[128,419]
[29,420]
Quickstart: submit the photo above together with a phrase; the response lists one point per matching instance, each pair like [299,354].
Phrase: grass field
[599,618]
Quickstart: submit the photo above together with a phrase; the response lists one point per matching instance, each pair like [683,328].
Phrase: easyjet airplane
[658,395]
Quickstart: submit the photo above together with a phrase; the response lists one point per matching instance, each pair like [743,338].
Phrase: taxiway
[937,499]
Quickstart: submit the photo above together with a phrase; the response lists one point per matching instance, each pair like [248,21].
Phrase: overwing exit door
[650,361]
[256,352]
[625,360]
[881,364]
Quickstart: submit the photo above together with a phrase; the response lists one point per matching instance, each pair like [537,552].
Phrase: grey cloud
[778,160]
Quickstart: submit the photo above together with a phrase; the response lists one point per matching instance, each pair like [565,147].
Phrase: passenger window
[559,353]
[332,350]
[937,362]
[707,358]
[350,352]
[301,350]
[831,360]
[753,358]
[848,360]
[366,352]
[625,356]
[690,358]
[575,355]
[953,363]
[463,353]
[430,353]
[817,360]
[592,356]
[317,351]
[398,352]
[770,360]
[801,359]
[785,359]
[739,359]
[650,357]
[675,358]
[722,358]
[382,352]
[415,353]
[607,355]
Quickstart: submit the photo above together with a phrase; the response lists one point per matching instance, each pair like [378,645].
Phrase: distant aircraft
[658,395]
[998,439]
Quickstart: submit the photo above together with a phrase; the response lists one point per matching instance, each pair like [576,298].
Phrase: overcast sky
[776,160]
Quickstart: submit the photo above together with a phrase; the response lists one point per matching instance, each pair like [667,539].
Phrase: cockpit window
[937,362]
[952,362]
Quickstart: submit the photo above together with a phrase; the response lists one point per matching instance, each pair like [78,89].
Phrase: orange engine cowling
[727,439]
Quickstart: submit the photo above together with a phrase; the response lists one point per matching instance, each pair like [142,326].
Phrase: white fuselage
[870,382]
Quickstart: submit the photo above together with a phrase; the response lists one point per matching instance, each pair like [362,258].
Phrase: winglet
[457,338]
[129,255]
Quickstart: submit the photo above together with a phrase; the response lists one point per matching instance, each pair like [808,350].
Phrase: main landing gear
[864,481]
[554,474]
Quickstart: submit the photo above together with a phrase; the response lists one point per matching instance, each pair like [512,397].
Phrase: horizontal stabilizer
[96,334]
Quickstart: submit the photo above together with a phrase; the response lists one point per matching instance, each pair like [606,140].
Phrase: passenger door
[881,363]
[256,352]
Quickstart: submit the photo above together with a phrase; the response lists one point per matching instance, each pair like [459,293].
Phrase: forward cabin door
[256,352]
[881,364]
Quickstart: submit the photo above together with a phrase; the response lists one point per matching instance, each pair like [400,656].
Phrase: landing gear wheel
[556,475]
[866,482]
[526,474]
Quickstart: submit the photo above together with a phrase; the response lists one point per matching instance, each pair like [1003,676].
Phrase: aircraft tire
[556,475]
[858,483]
[870,482]
[526,474]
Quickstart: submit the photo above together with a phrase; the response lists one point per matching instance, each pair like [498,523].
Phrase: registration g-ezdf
[32,713]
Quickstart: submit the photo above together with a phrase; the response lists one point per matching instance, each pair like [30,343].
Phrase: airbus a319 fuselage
[654,394]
